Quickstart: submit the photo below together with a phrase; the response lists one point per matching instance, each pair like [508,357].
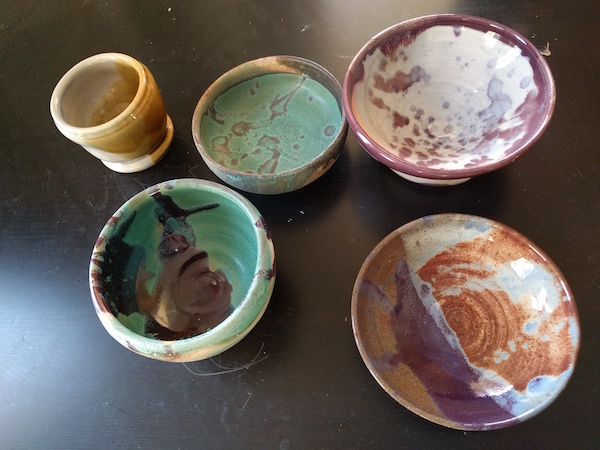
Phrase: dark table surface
[297,380]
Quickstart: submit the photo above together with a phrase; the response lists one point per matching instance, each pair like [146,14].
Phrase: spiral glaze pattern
[479,321]
[465,322]
[488,324]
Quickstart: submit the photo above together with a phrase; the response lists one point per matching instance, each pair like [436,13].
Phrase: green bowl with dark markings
[182,271]
[271,125]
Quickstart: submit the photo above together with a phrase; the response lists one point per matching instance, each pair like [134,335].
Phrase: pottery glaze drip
[175,288]
[182,271]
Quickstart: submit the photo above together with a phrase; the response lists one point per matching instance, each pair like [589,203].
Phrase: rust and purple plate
[465,322]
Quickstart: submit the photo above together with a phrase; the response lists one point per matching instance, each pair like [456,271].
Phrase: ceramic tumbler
[110,104]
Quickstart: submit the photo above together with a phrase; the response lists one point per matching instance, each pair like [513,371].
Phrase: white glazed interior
[79,100]
[453,99]
[99,93]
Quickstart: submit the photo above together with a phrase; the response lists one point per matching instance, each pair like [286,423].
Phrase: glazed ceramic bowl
[440,99]
[272,125]
[465,322]
[182,271]
[110,104]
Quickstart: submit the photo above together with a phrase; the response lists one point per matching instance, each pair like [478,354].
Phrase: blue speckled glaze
[465,322]
[271,124]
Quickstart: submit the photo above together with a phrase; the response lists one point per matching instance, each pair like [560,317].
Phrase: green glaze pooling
[271,124]
[172,258]
[136,322]
[138,234]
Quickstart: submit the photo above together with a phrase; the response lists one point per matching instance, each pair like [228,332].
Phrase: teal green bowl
[182,271]
[271,125]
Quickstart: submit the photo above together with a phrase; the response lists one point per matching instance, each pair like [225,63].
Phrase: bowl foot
[146,161]
[431,181]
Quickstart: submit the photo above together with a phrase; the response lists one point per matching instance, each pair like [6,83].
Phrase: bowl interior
[448,94]
[97,92]
[177,260]
[256,120]
[465,322]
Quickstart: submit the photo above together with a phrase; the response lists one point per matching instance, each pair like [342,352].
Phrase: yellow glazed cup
[111,106]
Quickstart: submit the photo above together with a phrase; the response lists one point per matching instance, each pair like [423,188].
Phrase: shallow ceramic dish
[271,125]
[465,322]
[182,271]
[442,98]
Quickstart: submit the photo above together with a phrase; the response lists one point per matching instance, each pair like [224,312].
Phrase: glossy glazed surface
[465,322]
[297,379]
[448,97]
[272,125]
[110,104]
[187,261]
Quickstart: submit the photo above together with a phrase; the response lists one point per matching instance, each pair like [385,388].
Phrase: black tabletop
[297,380]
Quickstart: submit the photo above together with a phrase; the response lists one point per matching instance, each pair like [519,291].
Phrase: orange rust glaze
[488,321]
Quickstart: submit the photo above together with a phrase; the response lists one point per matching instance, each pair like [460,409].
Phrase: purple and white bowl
[442,98]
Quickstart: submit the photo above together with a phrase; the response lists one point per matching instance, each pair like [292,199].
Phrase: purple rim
[411,28]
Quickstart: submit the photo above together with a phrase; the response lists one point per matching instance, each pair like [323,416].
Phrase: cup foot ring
[146,161]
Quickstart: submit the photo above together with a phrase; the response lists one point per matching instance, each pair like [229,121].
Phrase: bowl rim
[507,35]
[264,66]
[56,110]
[397,395]
[234,327]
